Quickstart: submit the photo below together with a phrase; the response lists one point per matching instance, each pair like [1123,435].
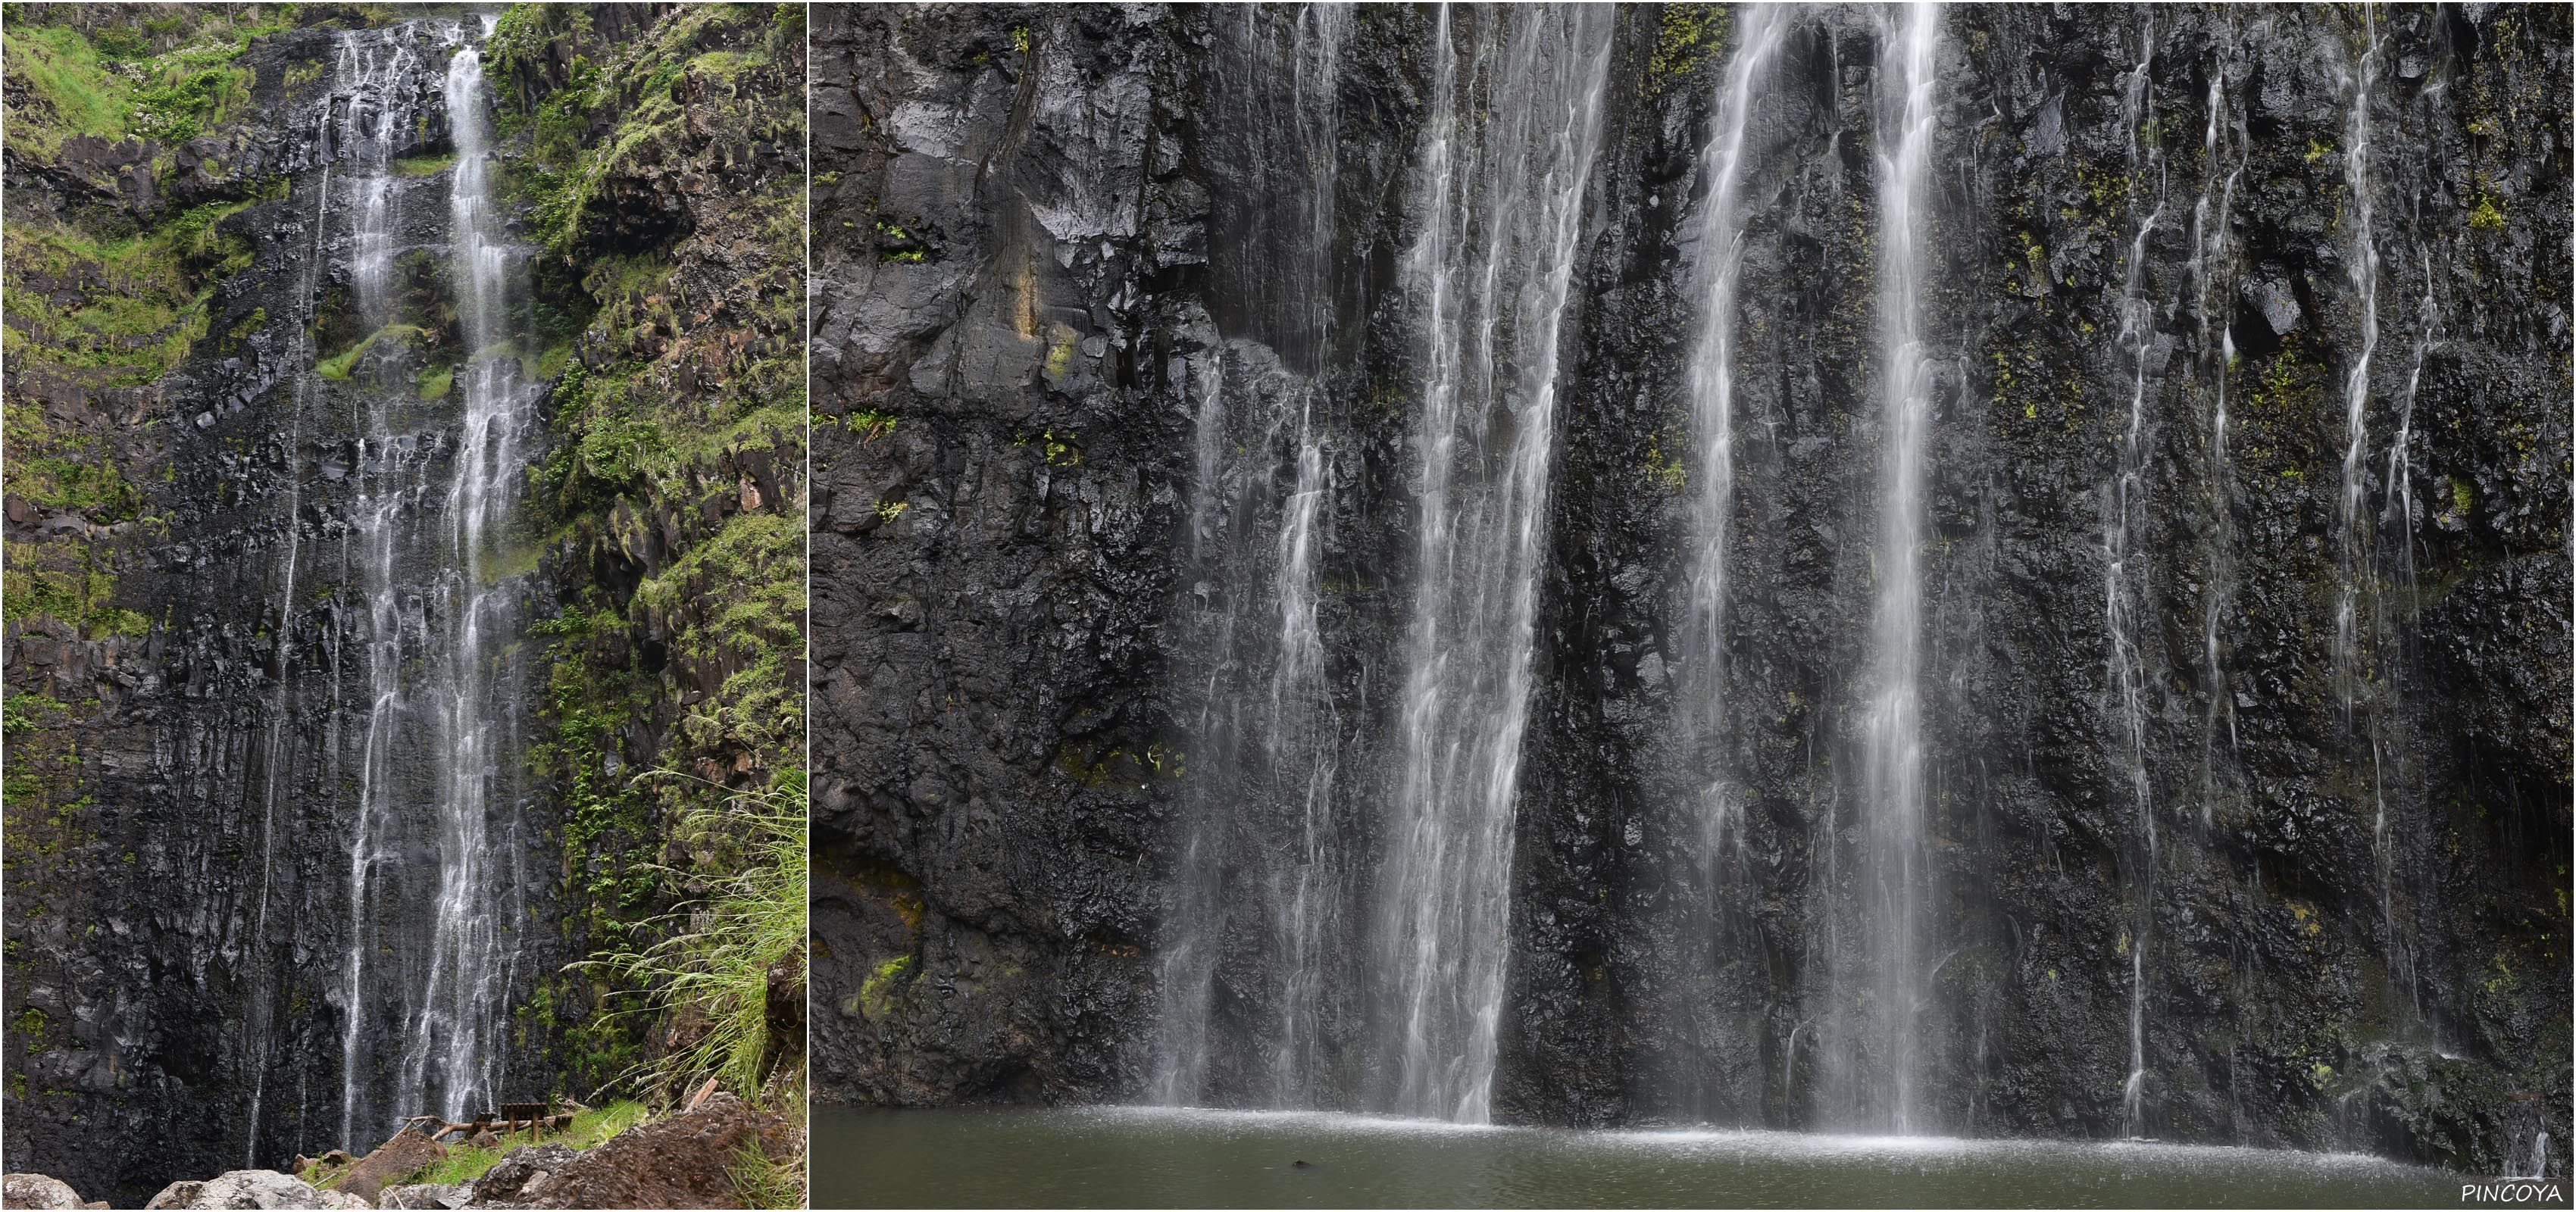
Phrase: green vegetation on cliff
[113,72]
[106,289]
[661,168]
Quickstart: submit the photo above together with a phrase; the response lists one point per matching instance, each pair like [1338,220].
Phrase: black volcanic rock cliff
[1045,235]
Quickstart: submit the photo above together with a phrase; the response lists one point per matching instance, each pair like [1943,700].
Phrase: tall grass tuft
[711,975]
[764,1182]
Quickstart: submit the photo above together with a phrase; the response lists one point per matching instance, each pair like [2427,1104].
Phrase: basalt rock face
[199,652]
[2300,877]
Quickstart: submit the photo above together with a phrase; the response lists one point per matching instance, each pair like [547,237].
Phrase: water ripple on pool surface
[1187,1157]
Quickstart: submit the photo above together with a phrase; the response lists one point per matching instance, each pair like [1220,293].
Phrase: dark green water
[1151,1158]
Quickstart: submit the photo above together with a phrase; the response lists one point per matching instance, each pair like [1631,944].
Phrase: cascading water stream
[2397,513]
[384,63]
[2127,507]
[1264,811]
[454,1054]
[258,1022]
[2353,558]
[1711,388]
[1303,734]
[2210,259]
[1186,971]
[1895,862]
[1514,129]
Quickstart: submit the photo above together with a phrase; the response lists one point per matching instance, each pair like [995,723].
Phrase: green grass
[435,381]
[337,366]
[140,307]
[550,363]
[715,970]
[588,1129]
[72,94]
[421,166]
[62,85]
[762,1183]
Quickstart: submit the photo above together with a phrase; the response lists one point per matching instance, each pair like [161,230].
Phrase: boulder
[180,1194]
[400,1157]
[425,1195]
[247,1189]
[522,1173]
[36,1191]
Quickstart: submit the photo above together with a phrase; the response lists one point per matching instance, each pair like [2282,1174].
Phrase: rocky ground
[697,1158]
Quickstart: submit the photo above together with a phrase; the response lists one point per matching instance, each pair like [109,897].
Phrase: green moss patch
[338,365]
[421,166]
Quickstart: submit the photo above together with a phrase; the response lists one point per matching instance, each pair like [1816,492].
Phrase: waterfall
[1186,971]
[1896,859]
[2127,509]
[2533,1165]
[1267,748]
[2397,512]
[1514,128]
[1711,387]
[258,1023]
[2352,557]
[454,1054]
[1302,733]
[382,65]
[2355,559]
[2209,259]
